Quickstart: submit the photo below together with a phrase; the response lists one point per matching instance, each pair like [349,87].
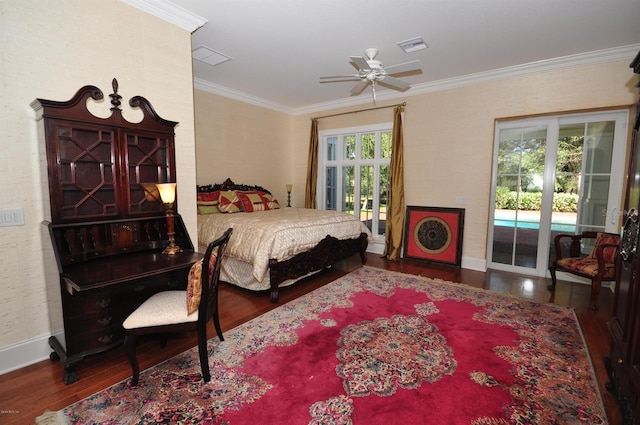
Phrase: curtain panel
[395,205]
[312,167]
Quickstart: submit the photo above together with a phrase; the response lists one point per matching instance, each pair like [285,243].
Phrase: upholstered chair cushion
[163,308]
[587,266]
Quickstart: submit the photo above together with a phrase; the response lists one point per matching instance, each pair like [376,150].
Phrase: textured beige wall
[449,134]
[49,49]
[247,143]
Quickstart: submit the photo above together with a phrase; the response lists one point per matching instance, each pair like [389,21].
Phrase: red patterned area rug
[374,347]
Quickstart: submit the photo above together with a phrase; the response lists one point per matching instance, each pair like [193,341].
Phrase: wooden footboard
[329,251]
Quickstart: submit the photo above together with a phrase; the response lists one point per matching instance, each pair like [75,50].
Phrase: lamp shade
[167,192]
[289,187]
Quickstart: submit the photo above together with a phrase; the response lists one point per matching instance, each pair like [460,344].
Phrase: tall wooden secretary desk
[108,225]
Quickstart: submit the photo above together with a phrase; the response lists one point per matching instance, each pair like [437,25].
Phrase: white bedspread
[280,233]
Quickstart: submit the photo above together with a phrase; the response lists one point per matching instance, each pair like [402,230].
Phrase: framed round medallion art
[434,234]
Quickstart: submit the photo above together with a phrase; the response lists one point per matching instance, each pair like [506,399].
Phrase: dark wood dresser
[623,362]
[108,225]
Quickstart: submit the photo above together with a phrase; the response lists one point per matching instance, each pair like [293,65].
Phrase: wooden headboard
[229,185]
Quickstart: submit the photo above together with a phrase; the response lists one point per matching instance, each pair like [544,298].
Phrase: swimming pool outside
[561,222]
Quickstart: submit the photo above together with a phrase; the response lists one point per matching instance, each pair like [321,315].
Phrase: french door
[551,175]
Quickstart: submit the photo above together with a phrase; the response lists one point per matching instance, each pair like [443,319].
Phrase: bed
[274,246]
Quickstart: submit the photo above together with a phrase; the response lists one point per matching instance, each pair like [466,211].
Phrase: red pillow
[253,200]
[208,198]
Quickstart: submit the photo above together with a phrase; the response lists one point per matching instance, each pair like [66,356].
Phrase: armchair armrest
[574,249]
[599,254]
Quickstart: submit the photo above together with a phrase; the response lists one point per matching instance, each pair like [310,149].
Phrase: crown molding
[589,58]
[169,12]
[210,87]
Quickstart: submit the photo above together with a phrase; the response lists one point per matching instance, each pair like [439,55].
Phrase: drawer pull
[105,339]
[620,361]
[103,303]
[104,321]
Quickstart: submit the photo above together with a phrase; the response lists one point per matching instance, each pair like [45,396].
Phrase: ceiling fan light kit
[372,71]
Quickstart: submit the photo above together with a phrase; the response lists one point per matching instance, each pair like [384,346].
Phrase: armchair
[599,265]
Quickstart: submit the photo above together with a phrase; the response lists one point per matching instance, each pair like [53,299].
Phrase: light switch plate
[12,217]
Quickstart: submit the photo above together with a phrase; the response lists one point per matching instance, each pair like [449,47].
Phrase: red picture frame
[434,234]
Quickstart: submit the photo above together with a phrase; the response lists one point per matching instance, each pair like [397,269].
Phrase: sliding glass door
[553,175]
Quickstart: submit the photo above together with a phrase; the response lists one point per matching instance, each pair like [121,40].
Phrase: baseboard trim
[25,353]
[479,264]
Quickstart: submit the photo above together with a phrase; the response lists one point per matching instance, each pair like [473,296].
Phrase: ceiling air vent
[209,56]
[412,45]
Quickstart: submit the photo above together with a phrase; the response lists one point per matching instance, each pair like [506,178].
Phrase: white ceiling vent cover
[209,56]
[412,45]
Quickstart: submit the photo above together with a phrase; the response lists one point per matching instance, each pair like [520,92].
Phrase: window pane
[385,145]
[349,147]
[599,147]
[594,198]
[368,146]
[332,188]
[332,148]
[348,189]
[366,195]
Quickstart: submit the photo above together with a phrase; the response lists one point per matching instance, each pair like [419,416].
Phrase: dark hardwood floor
[28,392]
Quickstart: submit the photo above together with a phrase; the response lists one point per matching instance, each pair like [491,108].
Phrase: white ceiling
[280,48]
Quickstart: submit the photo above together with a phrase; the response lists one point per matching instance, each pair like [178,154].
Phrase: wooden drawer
[94,341]
[93,319]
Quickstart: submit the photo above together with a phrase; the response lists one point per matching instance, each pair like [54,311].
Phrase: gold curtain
[312,167]
[395,205]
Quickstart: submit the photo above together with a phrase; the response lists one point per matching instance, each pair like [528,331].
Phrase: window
[354,173]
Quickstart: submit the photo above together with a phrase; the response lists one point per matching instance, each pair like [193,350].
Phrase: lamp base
[172,249]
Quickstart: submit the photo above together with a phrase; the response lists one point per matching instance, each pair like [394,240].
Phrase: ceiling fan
[371,71]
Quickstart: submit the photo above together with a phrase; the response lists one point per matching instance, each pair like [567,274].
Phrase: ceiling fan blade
[394,83]
[358,88]
[403,67]
[360,62]
[339,80]
[341,76]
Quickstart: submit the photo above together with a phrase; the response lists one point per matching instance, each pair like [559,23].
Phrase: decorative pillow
[194,286]
[206,209]
[253,201]
[208,198]
[609,253]
[228,202]
[272,203]
[208,202]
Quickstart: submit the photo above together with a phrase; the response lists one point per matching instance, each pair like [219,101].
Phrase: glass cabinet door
[86,185]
